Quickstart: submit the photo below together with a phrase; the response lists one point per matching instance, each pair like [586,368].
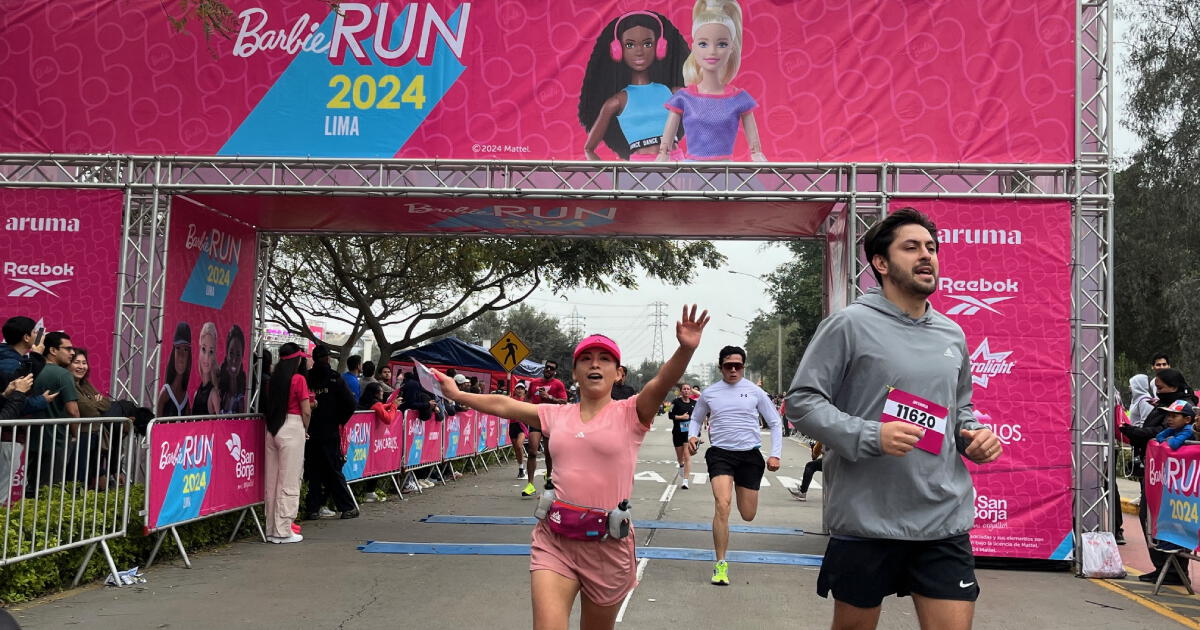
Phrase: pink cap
[598,341]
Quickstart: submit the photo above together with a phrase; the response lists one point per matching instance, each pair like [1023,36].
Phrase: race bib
[905,407]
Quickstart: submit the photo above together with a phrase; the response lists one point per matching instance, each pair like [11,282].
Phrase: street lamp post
[778,333]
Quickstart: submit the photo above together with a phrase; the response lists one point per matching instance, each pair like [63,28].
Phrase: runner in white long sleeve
[734,460]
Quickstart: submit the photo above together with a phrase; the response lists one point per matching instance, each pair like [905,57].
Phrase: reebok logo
[969,305]
[30,287]
[985,364]
[41,224]
[981,285]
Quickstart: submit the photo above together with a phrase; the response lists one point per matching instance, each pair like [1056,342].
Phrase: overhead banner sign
[61,254]
[1173,494]
[203,467]
[1005,278]
[813,81]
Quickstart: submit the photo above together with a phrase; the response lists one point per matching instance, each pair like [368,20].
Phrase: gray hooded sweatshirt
[837,397]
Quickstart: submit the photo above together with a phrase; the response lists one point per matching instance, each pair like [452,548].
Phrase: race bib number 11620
[902,406]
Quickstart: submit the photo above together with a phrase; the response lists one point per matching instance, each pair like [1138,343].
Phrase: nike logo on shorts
[962,584]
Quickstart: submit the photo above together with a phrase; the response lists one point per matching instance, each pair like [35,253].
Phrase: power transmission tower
[575,324]
[657,351]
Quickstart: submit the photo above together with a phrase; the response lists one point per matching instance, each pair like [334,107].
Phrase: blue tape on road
[455,519]
[657,553]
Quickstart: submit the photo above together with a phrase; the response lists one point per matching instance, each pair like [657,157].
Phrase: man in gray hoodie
[885,384]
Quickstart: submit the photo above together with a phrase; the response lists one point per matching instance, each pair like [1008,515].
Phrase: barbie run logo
[195,451]
[355,22]
[219,246]
[1178,476]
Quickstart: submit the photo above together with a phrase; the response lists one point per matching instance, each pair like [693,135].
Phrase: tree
[409,290]
[1155,274]
[542,333]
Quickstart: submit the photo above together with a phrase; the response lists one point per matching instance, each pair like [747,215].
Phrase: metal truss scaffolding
[862,192]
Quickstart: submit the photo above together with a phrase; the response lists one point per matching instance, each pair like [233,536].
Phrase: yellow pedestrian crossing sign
[510,351]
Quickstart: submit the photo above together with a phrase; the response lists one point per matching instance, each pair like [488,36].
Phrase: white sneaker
[684,485]
[326,512]
[425,483]
[369,498]
[521,472]
[457,475]
[278,540]
[411,486]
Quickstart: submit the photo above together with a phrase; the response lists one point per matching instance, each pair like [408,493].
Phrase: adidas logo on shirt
[950,353]
[580,435]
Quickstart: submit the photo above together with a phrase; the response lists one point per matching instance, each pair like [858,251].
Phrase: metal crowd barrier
[67,486]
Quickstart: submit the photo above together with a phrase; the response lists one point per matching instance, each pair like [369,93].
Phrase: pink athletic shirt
[297,394]
[594,462]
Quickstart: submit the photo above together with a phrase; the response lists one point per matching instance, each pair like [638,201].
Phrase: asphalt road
[326,582]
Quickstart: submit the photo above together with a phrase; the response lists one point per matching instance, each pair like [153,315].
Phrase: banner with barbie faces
[1005,278]
[206,313]
[820,80]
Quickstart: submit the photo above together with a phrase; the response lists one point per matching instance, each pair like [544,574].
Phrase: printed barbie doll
[709,107]
[636,64]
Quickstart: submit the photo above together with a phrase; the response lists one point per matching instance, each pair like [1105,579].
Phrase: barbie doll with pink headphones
[710,109]
[636,64]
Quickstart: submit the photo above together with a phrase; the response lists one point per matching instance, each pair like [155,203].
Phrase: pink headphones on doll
[660,47]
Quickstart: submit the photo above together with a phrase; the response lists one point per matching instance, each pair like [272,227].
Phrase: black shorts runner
[679,438]
[515,431]
[746,467]
[862,572]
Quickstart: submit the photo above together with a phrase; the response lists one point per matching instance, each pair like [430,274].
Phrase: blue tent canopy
[455,351]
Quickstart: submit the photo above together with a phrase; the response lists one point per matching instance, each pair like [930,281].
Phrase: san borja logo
[244,468]
[967,304]
[986,364]
[991,511]
[36,278]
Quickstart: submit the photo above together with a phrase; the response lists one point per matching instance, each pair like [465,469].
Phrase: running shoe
[796,493]
[684,485]
[326,512]
[721,573]
[521,472]
[528,491]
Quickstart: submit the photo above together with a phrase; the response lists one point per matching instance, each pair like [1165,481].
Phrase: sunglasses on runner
[732,366]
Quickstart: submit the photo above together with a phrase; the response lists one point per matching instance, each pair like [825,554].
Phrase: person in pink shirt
[596,445]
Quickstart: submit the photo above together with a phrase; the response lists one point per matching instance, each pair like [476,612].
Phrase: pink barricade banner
[1005,278]
[482,420]
[1173,494]
[371,446]
[502,438]
[433,449]
[62,249]
[819,80]
[203,467]
[460,434]
[492,434]
[206,313]
[414,439]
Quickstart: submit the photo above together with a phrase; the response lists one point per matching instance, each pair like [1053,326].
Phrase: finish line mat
[455,519]
[658,553]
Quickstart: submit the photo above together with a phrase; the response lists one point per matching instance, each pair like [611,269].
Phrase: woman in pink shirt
[597,453]
[288,408]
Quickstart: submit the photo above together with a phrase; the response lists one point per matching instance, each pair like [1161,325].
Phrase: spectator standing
[1141,403]
[92,404]
[21,354]
[622,390]
[288,413]
[50,443]
[386,412]
[12,401]
[351,376]
[323,457]
[384,379]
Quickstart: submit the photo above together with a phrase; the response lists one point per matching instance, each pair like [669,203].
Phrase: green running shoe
[528,491]
[721,573]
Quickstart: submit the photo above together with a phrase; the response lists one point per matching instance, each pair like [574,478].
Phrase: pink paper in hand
[902,406]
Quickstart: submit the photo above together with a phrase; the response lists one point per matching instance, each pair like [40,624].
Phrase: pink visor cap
[597,341]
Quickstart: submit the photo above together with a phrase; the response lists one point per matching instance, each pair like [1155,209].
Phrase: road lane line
[641,568]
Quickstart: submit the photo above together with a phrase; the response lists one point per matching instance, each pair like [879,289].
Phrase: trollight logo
[985,364]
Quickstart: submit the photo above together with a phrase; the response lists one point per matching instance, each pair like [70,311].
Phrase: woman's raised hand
[689,329]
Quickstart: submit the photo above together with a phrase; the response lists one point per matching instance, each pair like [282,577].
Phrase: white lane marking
[699,478]
[764,483]
[792,482]
[649,475]
[641,568]
[668,493]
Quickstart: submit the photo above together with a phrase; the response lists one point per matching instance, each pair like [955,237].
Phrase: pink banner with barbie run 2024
[1173,494]
[1005,279]
[207,314]
[203,467]
[60,261]
[371,446]
[819,80]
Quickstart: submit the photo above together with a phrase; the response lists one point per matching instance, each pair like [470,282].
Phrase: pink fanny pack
[576,521]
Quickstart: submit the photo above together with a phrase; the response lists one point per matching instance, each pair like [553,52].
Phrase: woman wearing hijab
[1141,401]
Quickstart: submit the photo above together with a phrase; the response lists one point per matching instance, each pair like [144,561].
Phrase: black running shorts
[514,431]
[862,572]
[679,438]
[746,467]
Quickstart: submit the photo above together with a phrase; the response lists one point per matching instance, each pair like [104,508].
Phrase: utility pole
[575,324]
[657,351]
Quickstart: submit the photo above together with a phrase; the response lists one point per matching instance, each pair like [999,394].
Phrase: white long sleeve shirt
[733,412]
